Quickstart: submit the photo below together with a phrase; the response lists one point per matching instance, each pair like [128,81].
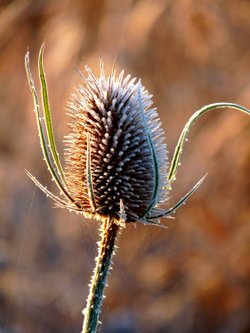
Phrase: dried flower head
[116,156]
[115,149]
[116,161]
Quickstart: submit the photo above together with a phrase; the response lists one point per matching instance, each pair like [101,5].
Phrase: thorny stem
[109,232]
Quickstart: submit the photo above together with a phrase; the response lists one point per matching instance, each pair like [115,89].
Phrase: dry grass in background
[193,277]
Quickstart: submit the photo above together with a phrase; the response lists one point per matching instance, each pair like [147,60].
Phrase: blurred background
[193,277]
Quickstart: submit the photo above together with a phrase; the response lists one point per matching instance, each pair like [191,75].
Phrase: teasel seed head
[116,156]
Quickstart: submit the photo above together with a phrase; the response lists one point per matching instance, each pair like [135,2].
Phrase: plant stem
[109,231]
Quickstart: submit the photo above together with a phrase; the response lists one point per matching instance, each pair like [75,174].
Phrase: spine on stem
[109,231]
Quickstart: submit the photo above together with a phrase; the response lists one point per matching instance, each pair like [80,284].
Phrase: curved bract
[183,137]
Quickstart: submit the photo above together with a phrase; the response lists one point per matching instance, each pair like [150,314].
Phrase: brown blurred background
[193,277]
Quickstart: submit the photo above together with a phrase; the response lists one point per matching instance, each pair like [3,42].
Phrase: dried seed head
[116,158]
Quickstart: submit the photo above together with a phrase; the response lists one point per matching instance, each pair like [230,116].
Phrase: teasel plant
[117,169]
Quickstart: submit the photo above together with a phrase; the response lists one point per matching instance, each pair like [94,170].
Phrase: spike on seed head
[115,149]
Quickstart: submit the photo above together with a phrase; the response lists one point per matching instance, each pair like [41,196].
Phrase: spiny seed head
[116,158]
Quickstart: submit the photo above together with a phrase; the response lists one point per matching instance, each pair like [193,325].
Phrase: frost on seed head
[115,151]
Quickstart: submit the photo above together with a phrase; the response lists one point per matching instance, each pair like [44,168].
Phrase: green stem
[109,231]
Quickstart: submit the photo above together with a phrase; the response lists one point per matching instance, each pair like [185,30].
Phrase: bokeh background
[193,277]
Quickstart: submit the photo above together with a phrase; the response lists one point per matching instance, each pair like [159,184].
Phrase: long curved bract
[46,135]
[179,147]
